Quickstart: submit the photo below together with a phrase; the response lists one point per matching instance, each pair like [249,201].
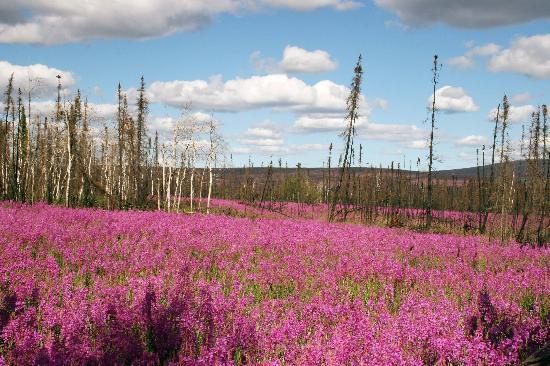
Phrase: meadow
[173,223]
[90,286]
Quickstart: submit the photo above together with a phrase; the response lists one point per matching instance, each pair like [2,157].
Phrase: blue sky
[227,57]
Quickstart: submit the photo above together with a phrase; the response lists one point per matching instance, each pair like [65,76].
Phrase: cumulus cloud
[485,50]
[318,107]
[261,132]
[467,13]
[365,129]
[265,134]
[408,135]
[41,78]
[323,123]
[472,140]
[277,91]
[466,61]
[295,60]
[452,99]
[62,21]
[528,56]
[516,114]
[265,64]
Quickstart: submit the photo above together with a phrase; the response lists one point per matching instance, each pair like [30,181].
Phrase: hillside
[316,174]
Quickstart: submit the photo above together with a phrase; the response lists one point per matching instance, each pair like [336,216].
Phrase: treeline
[60,158]
[68,157]
[497,202]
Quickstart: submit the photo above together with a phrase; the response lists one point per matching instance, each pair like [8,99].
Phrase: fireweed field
[84,286]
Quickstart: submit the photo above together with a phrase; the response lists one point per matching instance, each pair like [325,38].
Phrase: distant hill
[316,174]
[519,167]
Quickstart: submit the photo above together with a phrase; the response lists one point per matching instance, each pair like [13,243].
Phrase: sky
[275,74]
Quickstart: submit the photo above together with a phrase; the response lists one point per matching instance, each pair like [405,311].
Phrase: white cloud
[522,98]
[516,114]
[391,132]
[466,61]
[528,56]
[472,140]
[296,59]
[365,129]
[324,123]
[162,124]
[61,21]
[265,134]
[43,78]
[260,132]
[417,144]
[265,64]
[264,130]
[485,50]
[277,91]
[462,62]
[452,100]
[467,13]
[262,142]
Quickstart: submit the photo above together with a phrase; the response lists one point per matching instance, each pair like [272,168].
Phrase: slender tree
[8,102]
[142,110]
[435,80]
[23,140]
[352,114]
[505,180]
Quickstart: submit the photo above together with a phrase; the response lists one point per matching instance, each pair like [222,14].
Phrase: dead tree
[429,204]
[341,191]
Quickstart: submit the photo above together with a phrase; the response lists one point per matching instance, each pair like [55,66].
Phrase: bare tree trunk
[200,188]
[210,180]
[69,167]
[192,178]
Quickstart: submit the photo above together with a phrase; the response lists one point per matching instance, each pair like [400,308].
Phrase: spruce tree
[341,191]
